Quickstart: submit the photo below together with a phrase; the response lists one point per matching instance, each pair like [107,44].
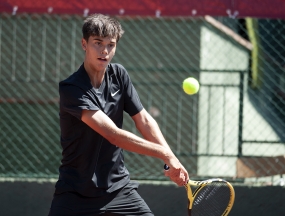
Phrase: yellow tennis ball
[190,86]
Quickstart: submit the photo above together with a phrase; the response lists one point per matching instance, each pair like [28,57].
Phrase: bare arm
[103,125]
[150,130]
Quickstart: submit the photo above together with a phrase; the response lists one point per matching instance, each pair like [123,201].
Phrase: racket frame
[200,185]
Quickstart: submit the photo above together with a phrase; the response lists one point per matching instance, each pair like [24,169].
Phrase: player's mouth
[103,59]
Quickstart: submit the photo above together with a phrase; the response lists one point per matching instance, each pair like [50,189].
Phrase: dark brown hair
[102,26]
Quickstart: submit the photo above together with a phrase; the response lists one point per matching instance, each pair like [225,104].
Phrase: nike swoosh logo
[113,94]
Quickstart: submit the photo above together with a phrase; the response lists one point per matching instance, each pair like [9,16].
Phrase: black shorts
[125,202]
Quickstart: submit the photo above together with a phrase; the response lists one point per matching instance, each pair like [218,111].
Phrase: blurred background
[234,128]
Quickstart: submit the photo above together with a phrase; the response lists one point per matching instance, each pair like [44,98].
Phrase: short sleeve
[132,104]
[73,100]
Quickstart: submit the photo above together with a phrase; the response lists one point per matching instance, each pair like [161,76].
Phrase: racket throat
[189,212]
[190,198]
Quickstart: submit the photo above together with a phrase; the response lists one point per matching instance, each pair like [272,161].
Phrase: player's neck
[96,77]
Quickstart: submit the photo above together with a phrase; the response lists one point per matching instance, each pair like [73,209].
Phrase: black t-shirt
[90,164]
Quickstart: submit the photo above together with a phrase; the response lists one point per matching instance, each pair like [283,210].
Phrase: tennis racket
[212,197]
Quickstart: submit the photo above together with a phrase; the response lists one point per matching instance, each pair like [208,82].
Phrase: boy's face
[99,51]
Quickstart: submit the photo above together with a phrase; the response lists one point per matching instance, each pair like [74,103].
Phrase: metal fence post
[240,125]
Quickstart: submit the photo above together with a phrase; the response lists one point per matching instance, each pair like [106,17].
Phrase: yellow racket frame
[200,185]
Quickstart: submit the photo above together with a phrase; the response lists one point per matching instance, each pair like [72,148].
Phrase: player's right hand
[176,172]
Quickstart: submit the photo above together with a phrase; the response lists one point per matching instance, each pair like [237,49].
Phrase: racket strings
[211,200]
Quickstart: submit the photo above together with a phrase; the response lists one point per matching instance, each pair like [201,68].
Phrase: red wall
[236,8]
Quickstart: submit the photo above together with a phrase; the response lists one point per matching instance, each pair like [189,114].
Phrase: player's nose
[105,50]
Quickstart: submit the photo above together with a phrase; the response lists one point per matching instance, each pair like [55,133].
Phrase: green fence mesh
[233,128]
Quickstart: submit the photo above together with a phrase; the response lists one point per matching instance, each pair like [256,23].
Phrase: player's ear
[83,44]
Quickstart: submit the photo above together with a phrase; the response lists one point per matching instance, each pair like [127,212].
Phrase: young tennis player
[93,179]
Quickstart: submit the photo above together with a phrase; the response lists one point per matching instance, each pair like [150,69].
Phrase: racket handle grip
[166,167]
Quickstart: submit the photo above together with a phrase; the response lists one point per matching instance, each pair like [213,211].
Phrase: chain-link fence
[233,128]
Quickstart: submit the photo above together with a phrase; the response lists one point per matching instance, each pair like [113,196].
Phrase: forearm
[150,130]
[133,143]
[99,122]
